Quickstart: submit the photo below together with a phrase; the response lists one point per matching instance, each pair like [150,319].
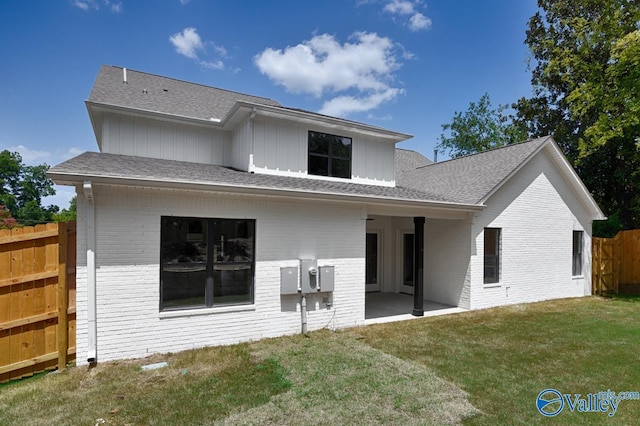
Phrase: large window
[577,253]
[329,155]
[491,255]
[206,262]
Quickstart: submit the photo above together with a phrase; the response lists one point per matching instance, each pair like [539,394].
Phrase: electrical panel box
[309,277]
[326,278]
[289,280]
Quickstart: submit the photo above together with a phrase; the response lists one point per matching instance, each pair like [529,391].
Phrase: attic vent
[165,90]
[144,91]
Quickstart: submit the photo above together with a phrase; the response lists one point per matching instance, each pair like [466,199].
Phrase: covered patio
[388,307]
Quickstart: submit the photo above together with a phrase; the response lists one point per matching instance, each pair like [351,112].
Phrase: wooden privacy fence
[37,299]
[616,263]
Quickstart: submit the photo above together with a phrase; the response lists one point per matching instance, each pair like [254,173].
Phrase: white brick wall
[446,261]
[129,323]
[538,214]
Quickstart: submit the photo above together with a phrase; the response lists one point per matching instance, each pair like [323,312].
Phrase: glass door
[372,261]
[406,283]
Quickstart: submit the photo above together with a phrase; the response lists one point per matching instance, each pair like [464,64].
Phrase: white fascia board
[73,179]
[577,185]
[97,107]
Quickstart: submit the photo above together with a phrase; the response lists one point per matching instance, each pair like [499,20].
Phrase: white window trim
[206,311]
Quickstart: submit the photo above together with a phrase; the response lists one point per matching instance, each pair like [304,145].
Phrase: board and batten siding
[280,146]
[373,160]
[537,214]
[168,141]
[242,137]
[129,323]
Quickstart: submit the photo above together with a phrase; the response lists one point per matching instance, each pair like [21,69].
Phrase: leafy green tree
[585,57]
[479,128]
[22,188]
[67,215]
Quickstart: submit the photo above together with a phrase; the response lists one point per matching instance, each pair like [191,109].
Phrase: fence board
[616,262]
[37,272]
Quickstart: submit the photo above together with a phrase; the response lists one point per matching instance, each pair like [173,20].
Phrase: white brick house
[201,201]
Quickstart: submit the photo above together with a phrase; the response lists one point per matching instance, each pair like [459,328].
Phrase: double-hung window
[578,239]
[206,262]
[491,255]
[329,155]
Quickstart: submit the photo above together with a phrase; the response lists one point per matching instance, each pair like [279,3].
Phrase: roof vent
[144,91]
[124,75]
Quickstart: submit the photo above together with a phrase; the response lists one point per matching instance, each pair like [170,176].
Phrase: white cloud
[400,7]
[323,64]
[33,157]
[364,67]
[63,197]
[187,42]
[407,8]
[185,1]
[220,50]
[86,5]
[419,22]
[190,44]
[115,6]
[212,65]
[344,105]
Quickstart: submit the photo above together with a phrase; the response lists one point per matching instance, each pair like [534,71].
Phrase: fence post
[63,297]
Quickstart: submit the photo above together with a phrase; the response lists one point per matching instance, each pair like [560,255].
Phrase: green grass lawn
[481,367]
[504,357]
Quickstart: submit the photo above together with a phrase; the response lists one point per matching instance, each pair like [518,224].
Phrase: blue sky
[406,65]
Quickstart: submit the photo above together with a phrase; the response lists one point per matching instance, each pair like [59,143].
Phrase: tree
[480,128]
[586,95]
[22,188]
[67,215]
[6,221]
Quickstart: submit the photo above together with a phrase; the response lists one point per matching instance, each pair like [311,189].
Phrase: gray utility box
[289,280]
[309,277]
[326,278]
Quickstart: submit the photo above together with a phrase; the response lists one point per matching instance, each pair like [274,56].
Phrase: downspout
[251,168]
[91,275]
[303,312]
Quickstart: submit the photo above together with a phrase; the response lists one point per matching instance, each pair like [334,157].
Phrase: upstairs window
[577,253]
[329,155]
[491,255]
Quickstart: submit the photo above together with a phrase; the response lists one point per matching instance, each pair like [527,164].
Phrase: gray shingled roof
[92,165]
[470,179]
[155,93]
[409,160]
[466,180]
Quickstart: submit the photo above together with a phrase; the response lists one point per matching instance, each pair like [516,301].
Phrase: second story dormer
[146,115]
